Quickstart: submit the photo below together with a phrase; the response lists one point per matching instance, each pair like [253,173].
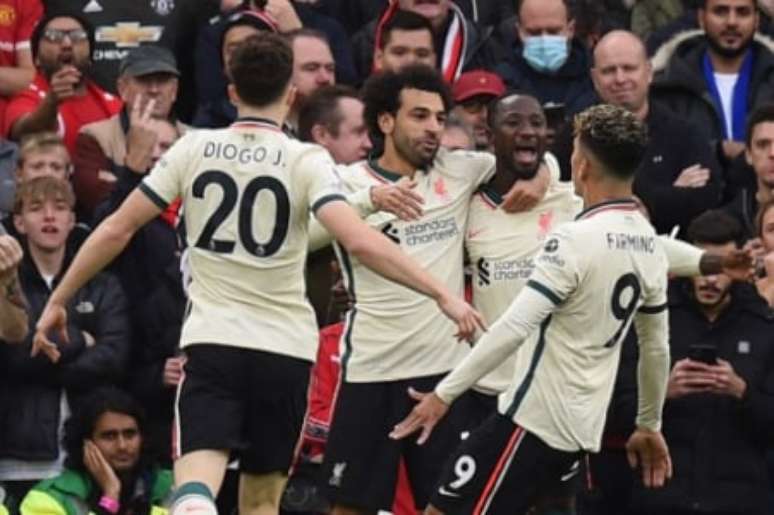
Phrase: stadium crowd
[94,92]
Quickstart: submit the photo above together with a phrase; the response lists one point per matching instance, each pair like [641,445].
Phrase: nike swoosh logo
[570,475]
[443,491]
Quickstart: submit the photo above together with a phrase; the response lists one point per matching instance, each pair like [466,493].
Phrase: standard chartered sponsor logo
[510,270]
[431,232]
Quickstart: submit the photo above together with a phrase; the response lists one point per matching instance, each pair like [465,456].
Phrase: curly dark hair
[249,63]
[615,136]
[80,425]
[381,92]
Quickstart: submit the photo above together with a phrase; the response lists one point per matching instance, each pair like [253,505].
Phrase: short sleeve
[556,275]
[320,180]
[165,182]
[30,15]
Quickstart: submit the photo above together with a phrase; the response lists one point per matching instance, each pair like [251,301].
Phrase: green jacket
[68,494]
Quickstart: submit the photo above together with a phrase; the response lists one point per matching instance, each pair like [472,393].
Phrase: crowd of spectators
[92,92]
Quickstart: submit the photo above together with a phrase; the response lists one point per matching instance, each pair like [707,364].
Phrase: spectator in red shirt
[17,19]
[61,97]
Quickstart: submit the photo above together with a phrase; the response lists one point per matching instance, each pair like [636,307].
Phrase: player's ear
[291,94]
[386,122]
[319,134]
[233,96]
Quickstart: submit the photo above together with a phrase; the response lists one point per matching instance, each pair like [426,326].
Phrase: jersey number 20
[620,311]
[231,196]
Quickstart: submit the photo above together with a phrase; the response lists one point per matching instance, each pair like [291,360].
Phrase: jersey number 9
[627,282]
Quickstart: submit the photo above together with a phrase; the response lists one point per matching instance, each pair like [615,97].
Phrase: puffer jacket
[679,84]
[31,388]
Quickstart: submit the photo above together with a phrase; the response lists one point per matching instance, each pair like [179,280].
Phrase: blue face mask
[545,53]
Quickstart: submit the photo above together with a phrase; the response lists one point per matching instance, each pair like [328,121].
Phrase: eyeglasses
[57,35]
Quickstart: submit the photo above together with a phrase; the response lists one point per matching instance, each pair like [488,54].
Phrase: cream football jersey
[502,248]
[248,191]
[593,277]
[394,332]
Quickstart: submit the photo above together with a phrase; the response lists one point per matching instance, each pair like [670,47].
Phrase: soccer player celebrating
[249,335]
[593,277]
[393,338]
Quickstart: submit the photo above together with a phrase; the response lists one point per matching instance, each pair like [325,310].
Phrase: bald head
[620,39]
[539,17]
[622,71]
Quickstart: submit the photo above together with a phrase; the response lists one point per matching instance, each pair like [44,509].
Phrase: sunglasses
[57,35]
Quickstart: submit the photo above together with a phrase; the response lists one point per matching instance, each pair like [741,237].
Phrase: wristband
[109,504]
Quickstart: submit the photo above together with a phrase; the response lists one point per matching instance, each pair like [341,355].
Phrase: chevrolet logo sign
[128,34]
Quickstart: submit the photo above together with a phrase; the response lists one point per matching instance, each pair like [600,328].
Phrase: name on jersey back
[243,155]
[631,242]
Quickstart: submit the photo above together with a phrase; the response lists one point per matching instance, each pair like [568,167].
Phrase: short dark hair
[37,33]
[615,136]
[322,108]
[569,5]
[403,20]
[80,426]
[493,107]
[381,92]
[761,114]
[715,227]
[261,68]
[702,4]
[306,33]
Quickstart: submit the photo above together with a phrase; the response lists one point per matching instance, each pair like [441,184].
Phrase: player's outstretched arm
[101,247]
[646,447]
[686,260]
[377,252]
[505,336]
[398,199]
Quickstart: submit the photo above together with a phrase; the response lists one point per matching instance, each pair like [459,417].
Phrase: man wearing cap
[148,79]
[473,92]
[62,97]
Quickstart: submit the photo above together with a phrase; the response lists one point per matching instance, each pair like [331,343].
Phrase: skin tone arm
[63,86]
[13,306]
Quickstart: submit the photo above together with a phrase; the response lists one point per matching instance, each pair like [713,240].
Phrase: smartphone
[704,353]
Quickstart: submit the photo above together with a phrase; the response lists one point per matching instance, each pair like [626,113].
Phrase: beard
[728,53]
[411,151]
[50,67]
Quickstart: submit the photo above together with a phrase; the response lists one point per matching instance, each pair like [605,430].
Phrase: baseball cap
[477,82]
[147,59]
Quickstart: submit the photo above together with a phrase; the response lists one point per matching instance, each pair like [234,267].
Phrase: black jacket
[744,207]
[674,145]
[30,388]
[678,80]
[718,443]
[570,85]
[149,271]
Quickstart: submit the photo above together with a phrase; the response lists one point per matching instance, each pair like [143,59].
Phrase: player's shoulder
[464,163]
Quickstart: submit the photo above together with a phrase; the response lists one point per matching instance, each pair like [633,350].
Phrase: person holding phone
[720,396]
